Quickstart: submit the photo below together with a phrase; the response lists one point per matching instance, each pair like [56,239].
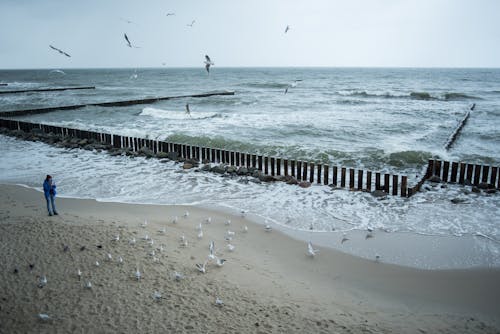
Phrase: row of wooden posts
[354,179]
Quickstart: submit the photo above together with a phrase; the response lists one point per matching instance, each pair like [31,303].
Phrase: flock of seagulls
[213,257]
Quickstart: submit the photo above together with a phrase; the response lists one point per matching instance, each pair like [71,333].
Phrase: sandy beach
[268,284]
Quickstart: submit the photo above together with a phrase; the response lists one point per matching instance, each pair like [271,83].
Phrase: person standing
[49,190]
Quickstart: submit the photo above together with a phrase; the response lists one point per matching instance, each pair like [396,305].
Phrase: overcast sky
[388,33]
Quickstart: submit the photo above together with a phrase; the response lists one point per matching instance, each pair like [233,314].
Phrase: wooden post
[335,173]
[486,170]
[342,177]
[227,156]
[213,155]
[394,185]
[311,177]
[203,153]
[304,171]
[437,165]
[430,169]
[254,161]
[233,159]
[477,172]
[377,182]
[266,167]
[454,170]
[292,167]
[278,166]
[386,182]
[249,157]
[325,175]
[360,179]
[470,168]
[493,177]
[319,174]
[351,178]
[369,181]
[299,170]
[238,159]
[260,162]
[272,166]
[446,167]
[285,166]
[462,173]
[404,186]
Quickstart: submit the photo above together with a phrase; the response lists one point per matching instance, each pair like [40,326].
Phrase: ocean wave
[176,114]
[426,96]
[265,84]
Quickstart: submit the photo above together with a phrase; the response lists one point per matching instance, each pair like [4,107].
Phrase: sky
[331,33]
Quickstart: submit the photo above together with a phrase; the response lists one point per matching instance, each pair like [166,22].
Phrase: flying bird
[208,62]
[129,44]
[287,28]
[191,24]
[293,84]
[170,14]
[60,51]
[128,21]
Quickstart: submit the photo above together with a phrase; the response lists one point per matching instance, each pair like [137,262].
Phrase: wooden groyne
[24,112]
[55,89]
[3,84]
[459,127]
[274,168]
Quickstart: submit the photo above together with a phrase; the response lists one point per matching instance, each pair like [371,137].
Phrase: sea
[381,119]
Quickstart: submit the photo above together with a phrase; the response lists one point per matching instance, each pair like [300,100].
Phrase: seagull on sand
[178,276]
[186,214]
[369,233]
[344,238]
[42,281]
[200,234]
[191,24]
[60,51]
[132,241]
[163,230]
[116,238]
[310,250]
[211,249]
[199,227]
[97,263]
[268,228]
[230,233]
[43,316]
[157,296]
[208,62]
[202,267]
[109,257]
[88,285]
[218,301]
[79,274]
[227,222]
[184,242]
[208,220]
[145,224]
[245,229]
[137,274]
[219,262]
[175,220]
[287,28]
[146,237]
[120,260]
[230,247]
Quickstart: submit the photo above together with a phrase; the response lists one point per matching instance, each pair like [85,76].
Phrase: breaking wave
[176,114]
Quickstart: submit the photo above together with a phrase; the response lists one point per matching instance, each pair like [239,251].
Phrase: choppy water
[380,119]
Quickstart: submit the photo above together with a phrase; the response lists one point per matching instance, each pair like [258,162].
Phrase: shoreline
[268,279]
[409,249]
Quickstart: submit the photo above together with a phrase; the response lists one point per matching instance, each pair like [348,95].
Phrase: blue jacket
[47,187]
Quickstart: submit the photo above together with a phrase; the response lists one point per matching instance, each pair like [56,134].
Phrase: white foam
[176,114]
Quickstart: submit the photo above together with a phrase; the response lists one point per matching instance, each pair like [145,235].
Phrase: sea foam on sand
[268,284]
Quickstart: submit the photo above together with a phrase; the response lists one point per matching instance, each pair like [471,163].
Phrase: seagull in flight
[310,250]
[191,24]
[293,84]
[60,51]
[287,28]
[170,14]
[208,62]
[128,42]
[128,21]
